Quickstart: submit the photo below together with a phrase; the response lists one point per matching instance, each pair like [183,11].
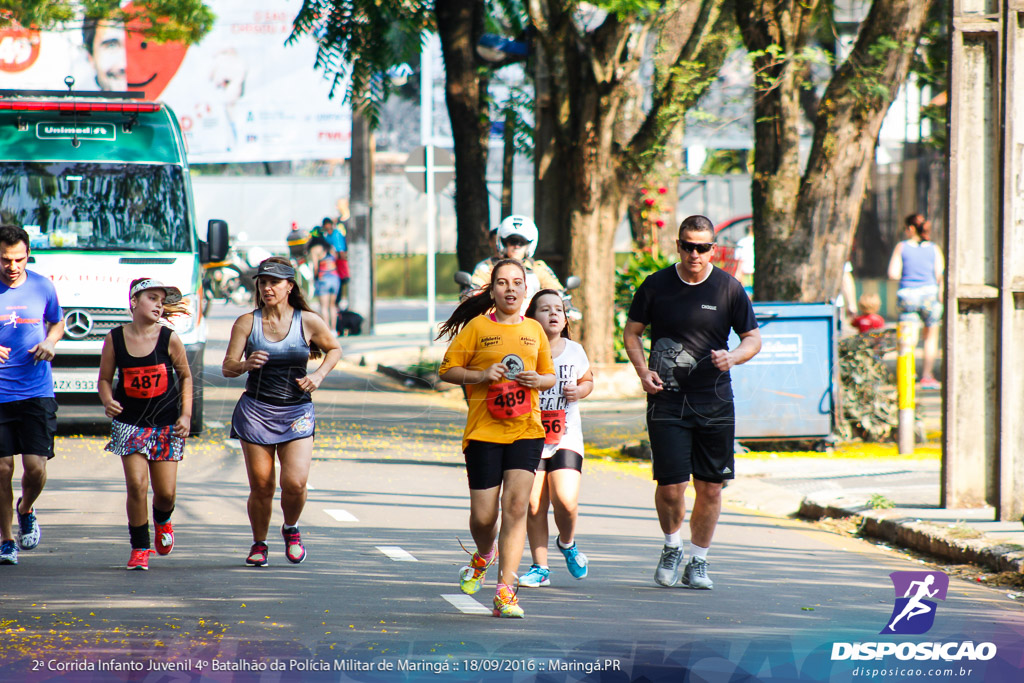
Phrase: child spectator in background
[868,321]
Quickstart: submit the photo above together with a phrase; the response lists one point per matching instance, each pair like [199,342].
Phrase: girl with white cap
[151,407]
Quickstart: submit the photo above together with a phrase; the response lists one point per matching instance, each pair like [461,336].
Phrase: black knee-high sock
[162,516]
[139,536]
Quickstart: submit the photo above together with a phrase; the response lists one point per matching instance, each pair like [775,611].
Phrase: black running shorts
[486,462]
[562,459]
[691,439]
[27,427]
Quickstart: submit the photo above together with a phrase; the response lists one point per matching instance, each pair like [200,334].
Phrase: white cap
[172,294]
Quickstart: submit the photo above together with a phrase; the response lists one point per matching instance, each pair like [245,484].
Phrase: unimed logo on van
[55,130]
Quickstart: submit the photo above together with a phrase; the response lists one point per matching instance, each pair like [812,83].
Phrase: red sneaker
[164,538]
[139,559]
[293,548]
[258,554]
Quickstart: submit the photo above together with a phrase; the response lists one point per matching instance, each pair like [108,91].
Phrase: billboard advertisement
[241,94]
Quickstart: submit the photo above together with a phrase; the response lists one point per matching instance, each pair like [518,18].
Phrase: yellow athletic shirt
[484,342]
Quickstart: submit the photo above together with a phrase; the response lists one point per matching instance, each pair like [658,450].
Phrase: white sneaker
[696,574]
[668,572]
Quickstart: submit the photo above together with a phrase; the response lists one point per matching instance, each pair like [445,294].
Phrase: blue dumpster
[790,389]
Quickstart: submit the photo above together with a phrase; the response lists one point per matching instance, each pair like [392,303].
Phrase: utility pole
[361,286]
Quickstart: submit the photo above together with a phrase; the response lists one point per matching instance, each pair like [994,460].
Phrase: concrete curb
[895,526]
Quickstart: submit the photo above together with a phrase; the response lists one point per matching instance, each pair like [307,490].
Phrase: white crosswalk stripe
[465,603]
[342,515]
[396,553]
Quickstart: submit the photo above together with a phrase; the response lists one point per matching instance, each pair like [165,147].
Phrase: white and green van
[101,184]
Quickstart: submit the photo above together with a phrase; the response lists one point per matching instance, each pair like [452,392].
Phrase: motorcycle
[234,278]
[468,289]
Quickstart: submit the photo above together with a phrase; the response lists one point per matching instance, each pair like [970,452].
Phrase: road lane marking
[396,553]
[342,515]
[465,603]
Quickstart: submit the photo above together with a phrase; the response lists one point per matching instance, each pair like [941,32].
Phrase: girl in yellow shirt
[506,360]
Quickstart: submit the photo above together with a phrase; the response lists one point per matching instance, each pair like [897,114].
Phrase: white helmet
[520,226]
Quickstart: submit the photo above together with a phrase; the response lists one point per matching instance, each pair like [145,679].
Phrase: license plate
[74,383]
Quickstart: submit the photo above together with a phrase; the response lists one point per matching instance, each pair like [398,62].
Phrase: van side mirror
[216,241]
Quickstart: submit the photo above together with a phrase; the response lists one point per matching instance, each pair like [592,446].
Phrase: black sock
[139,536]
[161,516]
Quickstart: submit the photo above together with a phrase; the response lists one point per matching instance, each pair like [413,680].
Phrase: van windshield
[97,206]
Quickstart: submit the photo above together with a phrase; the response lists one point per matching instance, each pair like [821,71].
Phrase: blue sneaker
[574,560]
[8,552]
[28,529]
[535,578]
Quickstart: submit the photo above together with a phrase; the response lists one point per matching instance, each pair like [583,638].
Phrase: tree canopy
[185,21]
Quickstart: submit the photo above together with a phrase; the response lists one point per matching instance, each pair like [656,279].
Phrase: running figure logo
[913,614]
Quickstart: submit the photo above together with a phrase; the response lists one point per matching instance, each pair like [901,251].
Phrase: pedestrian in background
[918,265]
[557,483]
[690,306]
[868,320]
[275,415]
[151,407]
[31,324]
[505,359]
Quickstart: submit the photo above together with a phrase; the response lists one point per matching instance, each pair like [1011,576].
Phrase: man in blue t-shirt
[691,307]
[31,323]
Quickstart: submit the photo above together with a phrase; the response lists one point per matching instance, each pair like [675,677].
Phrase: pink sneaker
[139,559]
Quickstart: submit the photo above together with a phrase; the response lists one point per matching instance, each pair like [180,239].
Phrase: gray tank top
[275,383]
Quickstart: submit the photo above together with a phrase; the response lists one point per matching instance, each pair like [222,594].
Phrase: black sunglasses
[515,242]
[699,247]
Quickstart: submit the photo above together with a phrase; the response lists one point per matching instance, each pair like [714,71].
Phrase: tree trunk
[846,132]
[460,24]
[776,31]
[804,226]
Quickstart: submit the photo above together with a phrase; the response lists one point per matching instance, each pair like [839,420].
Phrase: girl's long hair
[478,304]
[295,299]
[531,310]
[170,310]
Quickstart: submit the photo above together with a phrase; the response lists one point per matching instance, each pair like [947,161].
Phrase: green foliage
[725,161]
[879,502]
[185,21]
[360,40]
[626,8]
[868,387]
[641,263]
[931,66]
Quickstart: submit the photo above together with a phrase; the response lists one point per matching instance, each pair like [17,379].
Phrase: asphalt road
[387,504]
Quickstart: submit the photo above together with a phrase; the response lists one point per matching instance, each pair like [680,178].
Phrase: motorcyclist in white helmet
[517,238]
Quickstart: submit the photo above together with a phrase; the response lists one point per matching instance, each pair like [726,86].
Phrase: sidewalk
[892,498]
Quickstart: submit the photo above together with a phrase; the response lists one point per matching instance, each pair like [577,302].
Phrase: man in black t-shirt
[690,307]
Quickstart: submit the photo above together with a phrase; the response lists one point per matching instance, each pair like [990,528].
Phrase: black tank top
[275,383]
[146,388]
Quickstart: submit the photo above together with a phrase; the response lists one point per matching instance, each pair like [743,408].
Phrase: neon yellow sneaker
[471,577]
[506,603]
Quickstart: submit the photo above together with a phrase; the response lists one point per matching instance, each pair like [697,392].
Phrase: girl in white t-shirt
[558,476]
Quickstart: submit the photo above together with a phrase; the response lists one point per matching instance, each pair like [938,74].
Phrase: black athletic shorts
[695,439]
[486,462]
[562,459]
[27,427]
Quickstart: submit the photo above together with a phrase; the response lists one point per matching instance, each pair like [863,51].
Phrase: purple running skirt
[258,422]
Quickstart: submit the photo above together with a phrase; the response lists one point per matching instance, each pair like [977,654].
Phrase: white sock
[697,551]
[673,540]
[565,546]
